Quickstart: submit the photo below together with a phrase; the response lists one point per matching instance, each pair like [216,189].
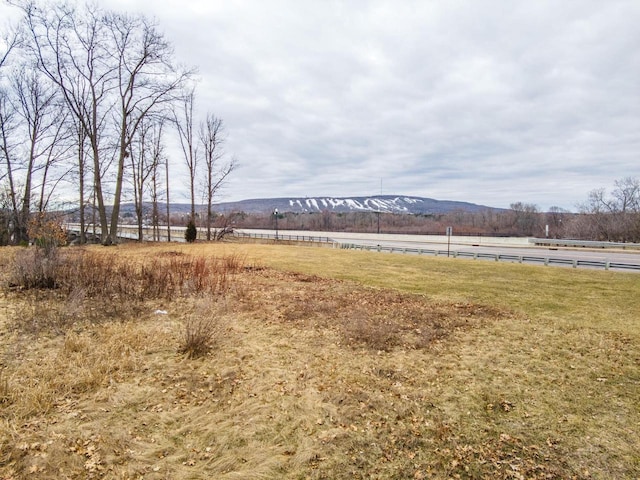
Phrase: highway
[508,249]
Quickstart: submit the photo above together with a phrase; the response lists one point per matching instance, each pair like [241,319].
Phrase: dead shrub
[79,286]
[106,276]
[203,328]
[47,232]
[200,336]
[35,268]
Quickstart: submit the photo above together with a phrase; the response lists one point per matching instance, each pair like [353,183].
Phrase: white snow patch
[311,202]
[354,204]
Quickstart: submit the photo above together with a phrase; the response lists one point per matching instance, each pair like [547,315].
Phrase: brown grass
[309,376]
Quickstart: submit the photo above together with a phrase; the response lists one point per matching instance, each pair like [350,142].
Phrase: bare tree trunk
[211,138]
[6,130]
[156,155]
[81,165]
[166,164]
[184,124]
[154,206]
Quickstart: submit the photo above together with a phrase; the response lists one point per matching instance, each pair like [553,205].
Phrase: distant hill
[378,203]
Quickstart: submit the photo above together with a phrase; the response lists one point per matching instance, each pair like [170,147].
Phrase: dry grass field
[237,361]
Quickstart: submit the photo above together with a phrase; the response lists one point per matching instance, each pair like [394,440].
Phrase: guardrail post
[575,264]
[607,265]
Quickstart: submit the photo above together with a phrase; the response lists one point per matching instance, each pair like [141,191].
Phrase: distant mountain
[378,203]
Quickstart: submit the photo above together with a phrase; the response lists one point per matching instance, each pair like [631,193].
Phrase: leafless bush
[91,287]
[200,336]
[35,268]
[203,328]
[106,276]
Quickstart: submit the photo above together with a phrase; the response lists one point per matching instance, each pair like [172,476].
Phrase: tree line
[87,99]
[605,216]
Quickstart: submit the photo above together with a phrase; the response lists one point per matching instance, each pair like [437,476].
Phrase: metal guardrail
[292,238]
[559,242]
[575,263]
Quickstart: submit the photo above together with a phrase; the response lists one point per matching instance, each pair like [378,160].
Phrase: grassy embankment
[325,364]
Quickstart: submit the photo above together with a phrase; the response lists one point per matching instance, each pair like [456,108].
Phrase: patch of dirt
[377,318]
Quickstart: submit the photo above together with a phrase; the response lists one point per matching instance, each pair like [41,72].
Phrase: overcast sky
[490,102]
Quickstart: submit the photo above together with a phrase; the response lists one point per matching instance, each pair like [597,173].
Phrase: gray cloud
[484,101]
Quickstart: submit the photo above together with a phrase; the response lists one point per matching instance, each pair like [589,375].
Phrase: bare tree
[157,159]
[81,171]
[627,195]
[8,42]
[72,50]
[183,118]
[146,158]
[112,70]
[211,131]
[168,204]
[614,217]
[557,220]
[146,80]
[141,170]
[525,218]
[44,142]
[8,146]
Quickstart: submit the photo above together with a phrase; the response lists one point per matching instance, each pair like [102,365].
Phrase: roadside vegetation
[256,361]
